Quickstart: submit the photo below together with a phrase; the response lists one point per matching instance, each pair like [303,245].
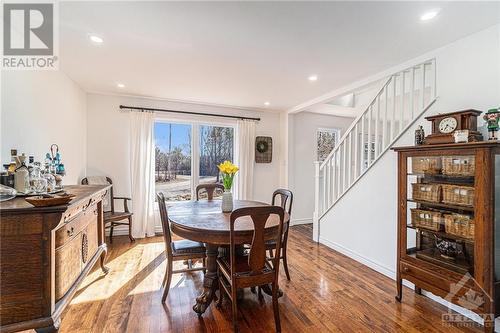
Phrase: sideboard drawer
[76,243]
[90,233]
[68,265]
[452,285]
[434,279]
[75,226]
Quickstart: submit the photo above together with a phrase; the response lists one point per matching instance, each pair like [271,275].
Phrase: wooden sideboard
[45,253]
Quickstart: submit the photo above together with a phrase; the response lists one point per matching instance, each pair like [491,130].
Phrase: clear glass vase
[227,201]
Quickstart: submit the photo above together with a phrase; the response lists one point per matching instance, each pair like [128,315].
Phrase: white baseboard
[118,231]
[123,230]
[359,258]
[392,275]
[301,221]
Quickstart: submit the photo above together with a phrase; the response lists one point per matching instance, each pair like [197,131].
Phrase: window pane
[216,146]
[173,160]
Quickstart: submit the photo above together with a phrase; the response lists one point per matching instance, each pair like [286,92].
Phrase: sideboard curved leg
[54,328]
[104,269]
[210,282]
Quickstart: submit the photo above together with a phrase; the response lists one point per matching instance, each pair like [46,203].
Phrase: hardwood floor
[328,293]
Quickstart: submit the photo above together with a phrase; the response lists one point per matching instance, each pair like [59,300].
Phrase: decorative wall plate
[263,149]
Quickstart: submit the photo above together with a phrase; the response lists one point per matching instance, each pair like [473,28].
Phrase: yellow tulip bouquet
[228,170]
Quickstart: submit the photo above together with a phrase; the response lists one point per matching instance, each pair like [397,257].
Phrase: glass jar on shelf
[51,181]
[38,183]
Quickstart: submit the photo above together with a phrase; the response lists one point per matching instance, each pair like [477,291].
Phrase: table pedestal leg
[268,289]
[210,282]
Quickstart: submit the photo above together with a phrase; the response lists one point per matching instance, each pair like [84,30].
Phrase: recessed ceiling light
[267,103]
[429,15]
[120,85]
[96,39]
[313,78]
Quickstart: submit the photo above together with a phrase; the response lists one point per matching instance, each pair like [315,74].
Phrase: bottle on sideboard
[12,166]
[38,183]
[21,175]
[31,163]
[419,136]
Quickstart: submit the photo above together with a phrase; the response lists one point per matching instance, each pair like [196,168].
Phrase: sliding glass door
[187,154]
[173,160]
[216,146]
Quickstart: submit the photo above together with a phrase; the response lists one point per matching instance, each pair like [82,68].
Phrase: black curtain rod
[186,112]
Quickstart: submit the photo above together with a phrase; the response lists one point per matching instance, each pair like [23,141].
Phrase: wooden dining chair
[251,268]
[210,188]
[286,200]
[181,250]
[112,218]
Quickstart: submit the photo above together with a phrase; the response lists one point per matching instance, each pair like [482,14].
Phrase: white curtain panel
[245,159]
[142,173]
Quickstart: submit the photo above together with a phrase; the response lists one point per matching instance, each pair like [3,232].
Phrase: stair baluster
[391,112]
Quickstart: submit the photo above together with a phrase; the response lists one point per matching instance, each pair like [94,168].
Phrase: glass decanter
[38,183]
[51,181]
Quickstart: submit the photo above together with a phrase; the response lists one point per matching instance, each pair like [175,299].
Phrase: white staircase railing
[401,100]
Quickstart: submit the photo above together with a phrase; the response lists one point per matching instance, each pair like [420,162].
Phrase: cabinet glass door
[440,210]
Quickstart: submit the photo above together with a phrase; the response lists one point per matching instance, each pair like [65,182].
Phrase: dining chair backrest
[109,203]
[286,199]
[165,222]
[257,255]
[210,188]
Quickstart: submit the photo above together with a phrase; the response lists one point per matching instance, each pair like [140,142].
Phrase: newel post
[316,202]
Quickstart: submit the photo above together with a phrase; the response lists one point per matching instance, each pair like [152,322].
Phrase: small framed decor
[326,139]
[263,149]
[461,136]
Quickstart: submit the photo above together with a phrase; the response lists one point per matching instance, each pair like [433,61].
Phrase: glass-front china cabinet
[448,224]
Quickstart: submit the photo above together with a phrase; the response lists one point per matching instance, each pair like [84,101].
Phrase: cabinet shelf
[442,234]
[444,179]
[443,205]
[433,256]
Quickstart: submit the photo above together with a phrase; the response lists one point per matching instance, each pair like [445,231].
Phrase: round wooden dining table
[204,221]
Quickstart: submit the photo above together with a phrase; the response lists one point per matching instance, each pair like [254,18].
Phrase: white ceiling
[245,53]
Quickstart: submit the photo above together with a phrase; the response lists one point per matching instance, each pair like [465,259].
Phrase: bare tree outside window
[173,157]
[216,146]
[326,139]
[173,160]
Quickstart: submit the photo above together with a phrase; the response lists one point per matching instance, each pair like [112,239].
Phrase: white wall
[108,139]
[303,156]
[363,223]
[284,149]
[40,108]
